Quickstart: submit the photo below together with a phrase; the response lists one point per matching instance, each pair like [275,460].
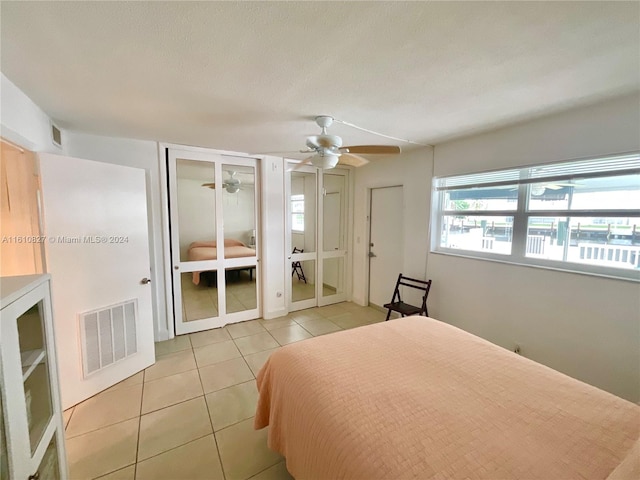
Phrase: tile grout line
[100,428]
[213,431]
[135,467]
[117,470]
[70,417]
[261,471]
[168,450]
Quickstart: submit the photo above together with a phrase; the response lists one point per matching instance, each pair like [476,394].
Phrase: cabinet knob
[145,281]
[35,476]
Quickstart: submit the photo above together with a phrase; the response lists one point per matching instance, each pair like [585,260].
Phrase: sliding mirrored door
[317,236]
[213,215]
[302,194]
[333,255]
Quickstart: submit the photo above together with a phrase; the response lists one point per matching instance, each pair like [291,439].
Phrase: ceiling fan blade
[352,160]
[210,185]
[312,142]
[306,161]
[373,149]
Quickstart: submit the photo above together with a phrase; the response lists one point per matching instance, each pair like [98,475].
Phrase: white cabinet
[31,426]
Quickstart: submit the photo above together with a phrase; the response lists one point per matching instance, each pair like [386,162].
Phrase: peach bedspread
[208,251]
[418,398]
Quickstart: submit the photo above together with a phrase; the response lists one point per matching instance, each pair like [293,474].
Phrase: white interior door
[213,212]
[386,246]
[97,251]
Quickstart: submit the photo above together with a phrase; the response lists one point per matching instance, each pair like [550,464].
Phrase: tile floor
[190,415]
[201,301]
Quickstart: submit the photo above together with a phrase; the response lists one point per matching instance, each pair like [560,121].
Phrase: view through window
[581,215]
[297,213]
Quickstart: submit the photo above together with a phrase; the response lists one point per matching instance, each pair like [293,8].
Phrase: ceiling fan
[231,185]
[538,190]
[328,151]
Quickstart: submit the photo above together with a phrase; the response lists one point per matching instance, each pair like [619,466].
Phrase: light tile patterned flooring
[190,415]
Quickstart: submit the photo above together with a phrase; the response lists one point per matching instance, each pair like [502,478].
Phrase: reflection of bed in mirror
[207,250]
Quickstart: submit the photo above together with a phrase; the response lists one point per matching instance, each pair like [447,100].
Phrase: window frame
[524,183]
[296,199]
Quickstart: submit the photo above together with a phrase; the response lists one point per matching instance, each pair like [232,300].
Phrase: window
[297,213]
[579,216]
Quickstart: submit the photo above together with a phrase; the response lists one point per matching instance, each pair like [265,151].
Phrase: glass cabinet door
[31,427]
[49,468]
[35,373]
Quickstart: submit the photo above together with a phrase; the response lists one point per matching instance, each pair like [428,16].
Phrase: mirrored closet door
[213,221]
[302,193]
[317,236]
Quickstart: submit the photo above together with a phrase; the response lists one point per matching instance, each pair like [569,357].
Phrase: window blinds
[625,164]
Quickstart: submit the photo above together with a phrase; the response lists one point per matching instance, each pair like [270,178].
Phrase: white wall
[585,326]
[412,170]
[239,214]
[23,122]
[196,213]
[273,229]
[141,154]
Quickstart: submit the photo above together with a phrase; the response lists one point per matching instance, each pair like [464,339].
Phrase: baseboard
[162,335]
[274,314]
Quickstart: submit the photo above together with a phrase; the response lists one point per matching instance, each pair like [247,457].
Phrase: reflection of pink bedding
[418,398]
[199,251]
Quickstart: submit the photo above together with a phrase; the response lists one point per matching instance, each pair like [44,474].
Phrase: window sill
[630,275]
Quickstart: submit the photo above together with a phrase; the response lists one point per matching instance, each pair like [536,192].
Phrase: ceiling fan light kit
[325,160]
[231,185]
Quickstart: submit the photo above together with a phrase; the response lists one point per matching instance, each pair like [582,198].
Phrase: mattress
[199,251]
[418,398]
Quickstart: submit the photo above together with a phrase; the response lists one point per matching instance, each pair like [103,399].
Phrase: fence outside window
[580,216]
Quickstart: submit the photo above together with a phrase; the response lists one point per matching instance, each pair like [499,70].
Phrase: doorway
[214,244]
[386,242]
[317,236]
[20,212]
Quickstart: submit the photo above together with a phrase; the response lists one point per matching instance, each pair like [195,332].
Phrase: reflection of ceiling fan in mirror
[231,184]
[328,151]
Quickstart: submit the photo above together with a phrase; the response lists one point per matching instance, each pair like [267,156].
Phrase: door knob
[144,281]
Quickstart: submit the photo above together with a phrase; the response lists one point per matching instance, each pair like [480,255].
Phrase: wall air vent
[108,335]
[56,136]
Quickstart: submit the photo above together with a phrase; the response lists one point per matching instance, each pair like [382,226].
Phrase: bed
[208,251]
[418,398]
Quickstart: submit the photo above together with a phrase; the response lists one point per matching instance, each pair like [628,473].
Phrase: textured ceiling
[250,76]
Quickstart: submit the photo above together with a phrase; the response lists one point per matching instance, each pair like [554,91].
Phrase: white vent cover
[56,136]
[108,335]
